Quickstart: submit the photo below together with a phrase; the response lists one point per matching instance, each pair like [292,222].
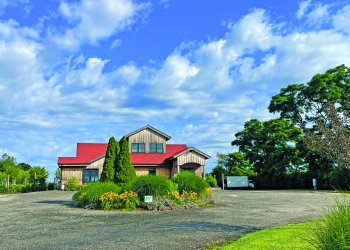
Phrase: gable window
[152,171]
[156,148]
[90,175]
[137,147]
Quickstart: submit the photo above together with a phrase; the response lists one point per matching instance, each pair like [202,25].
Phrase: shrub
[89,195]
[72,184]
[126,200]
[333,230]
[211,180]
[189,196]
[50,186]
[156,185]
[188,181]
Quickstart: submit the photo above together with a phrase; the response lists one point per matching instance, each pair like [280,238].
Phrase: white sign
[148,198]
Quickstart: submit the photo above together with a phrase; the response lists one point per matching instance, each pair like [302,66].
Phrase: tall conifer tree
[124,171]
[110,158]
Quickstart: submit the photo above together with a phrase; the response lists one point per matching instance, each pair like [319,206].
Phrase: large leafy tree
[124,171]
[270,146]
[108,173]
[304,104]
[333,139]
[308,106]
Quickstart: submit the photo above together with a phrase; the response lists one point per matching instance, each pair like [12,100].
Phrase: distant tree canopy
[309,140]
[22,173]
[235,164]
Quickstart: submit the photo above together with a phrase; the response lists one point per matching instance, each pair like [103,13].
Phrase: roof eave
[206,156]
[168,137]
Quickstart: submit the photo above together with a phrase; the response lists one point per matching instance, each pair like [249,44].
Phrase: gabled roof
[192,149]
[150,128]
[90,152]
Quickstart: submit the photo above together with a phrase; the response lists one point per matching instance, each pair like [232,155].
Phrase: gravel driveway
[48,220]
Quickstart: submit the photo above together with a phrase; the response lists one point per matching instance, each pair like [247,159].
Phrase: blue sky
[82,71]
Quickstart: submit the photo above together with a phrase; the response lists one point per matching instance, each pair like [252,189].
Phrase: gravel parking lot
[48,220]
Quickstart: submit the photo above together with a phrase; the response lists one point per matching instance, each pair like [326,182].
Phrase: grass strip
[291,236]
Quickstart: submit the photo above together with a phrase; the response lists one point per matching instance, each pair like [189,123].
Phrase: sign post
[314,184]
[148,199]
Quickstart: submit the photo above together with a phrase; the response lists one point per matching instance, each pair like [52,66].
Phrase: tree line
[309,139]
[21,177]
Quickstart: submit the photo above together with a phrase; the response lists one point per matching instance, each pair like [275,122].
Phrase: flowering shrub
[174,195]
[88,196]
[126,200]
[190,196]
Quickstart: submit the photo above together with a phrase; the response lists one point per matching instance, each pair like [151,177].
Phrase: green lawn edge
[290,236]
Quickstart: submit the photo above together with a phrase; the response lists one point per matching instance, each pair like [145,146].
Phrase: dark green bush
[188,181]
[72,184]
[89,194]
[50,186]
[156,185]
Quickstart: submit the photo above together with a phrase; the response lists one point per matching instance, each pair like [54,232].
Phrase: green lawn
[292,236]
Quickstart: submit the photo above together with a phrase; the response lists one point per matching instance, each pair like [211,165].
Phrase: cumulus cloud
[205,90]
[93,21]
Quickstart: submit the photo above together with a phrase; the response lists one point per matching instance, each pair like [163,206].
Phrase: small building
[149,154]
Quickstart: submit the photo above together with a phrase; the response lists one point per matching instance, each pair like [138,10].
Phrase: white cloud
[128,73]
[91,74]
[116,43]
[342,19]
[93,21]
[303,7]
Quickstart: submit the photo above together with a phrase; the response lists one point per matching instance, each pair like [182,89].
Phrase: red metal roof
[89,151]
[156,159]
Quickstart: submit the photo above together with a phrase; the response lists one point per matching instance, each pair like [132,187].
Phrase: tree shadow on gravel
[209,227]
[59,202]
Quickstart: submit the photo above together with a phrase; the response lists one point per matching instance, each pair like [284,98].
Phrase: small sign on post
[148,198]
[314,184]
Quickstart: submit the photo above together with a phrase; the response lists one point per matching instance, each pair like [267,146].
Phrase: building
[149,154]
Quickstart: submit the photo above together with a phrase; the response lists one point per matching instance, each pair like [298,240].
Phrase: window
[156,148]
[90,175]
[137,147]
[152,171]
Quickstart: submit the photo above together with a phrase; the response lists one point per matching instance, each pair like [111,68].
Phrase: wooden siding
[98,164]
[141,171]
[165,171]
[147,136]
[190,157]
[72,172]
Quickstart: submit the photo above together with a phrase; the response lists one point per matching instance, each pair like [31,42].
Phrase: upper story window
[137,148]
[156,148]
